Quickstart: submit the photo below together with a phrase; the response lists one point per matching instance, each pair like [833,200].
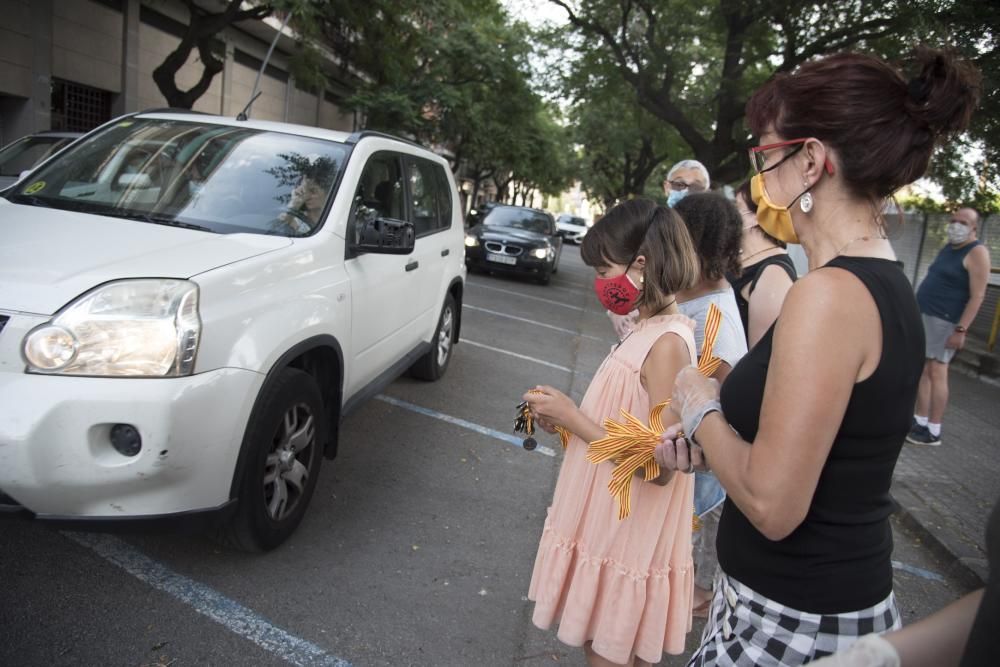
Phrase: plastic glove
[623,324]
[676,453]
[694,396]
[869,651]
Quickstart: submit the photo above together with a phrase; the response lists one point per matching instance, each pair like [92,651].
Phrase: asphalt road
[417,548]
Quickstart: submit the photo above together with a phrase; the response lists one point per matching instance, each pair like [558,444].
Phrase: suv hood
[48,257]
[494,233]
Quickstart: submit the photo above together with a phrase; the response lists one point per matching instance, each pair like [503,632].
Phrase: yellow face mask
[773,219]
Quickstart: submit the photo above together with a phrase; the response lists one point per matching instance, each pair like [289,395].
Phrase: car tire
[284,441]
[432,365]
[546,277]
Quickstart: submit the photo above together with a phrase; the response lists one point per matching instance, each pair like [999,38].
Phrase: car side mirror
[383,235]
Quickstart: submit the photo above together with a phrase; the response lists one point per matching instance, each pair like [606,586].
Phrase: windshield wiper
[155,219]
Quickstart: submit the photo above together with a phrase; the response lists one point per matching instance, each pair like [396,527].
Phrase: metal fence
[917,240]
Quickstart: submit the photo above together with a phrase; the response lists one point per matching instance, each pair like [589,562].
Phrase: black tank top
[838,559]
[750,276]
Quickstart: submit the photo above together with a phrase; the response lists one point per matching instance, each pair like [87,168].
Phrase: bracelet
[960,329]
[692,422]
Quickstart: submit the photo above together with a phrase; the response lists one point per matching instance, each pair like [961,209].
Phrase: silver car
[21,155]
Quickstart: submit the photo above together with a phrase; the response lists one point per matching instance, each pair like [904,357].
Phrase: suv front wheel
[283,461]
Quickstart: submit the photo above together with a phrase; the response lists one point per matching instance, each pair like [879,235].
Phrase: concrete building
[74,64]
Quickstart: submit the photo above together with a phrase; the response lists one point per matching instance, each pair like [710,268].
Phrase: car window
[521,218]
[444,197]
[430,204]
[219,178]
[424,212]
[380,190]
[27,152]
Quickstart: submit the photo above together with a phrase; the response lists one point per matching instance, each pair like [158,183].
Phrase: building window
[78,108]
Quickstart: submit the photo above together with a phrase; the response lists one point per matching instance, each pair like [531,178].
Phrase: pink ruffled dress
[624,585]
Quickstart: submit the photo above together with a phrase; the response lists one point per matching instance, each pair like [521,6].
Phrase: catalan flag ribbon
[630,443]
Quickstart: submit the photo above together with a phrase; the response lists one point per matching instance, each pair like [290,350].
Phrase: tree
[693,66]
[201,35]
[621,145]
[458,79]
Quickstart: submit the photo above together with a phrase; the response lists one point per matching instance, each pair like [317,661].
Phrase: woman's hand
[551,407]
[694,396]
[675,453]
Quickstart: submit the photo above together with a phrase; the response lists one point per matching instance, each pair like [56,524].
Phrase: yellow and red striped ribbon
[630,443]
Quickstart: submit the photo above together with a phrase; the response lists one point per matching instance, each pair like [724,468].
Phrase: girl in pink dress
[622,589]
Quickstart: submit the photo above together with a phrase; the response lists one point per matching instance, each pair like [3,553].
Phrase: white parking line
[208,602]
[484,430]
[466,341]
[919,571]
[525,296]
[526,320]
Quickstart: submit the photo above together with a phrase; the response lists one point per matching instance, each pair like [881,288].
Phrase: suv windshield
[217,178]
[519,218]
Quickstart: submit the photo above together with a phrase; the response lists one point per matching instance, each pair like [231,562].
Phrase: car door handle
[445,252]
[412,265]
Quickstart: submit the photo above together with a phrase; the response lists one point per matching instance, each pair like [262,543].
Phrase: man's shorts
[937,332]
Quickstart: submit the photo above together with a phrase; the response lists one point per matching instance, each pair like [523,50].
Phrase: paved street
[419,543]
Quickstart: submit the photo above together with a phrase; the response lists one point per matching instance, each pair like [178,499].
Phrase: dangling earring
[806,202]
[642,279]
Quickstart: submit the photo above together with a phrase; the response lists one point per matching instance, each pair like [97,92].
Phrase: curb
[968,571]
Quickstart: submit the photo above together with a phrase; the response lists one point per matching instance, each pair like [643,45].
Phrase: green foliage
[694,65]
[453,74]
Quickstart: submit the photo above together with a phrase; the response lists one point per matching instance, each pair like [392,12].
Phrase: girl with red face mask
[622,588]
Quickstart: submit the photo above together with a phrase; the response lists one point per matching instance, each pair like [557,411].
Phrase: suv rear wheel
[283,461]
[432,365]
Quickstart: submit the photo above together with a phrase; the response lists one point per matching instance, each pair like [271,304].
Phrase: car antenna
[245,114]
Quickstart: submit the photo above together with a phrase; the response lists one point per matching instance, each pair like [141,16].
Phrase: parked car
[515,239]
[571,228]
[27,152]
[190,304]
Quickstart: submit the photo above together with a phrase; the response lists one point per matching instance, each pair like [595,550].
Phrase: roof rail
[361,134]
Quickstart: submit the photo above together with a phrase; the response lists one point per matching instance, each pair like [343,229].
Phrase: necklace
[672,302]
[866,237]
[754,254]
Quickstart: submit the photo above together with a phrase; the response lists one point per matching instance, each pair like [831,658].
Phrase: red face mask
[617,294]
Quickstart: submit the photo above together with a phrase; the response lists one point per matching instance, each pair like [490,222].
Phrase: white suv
[190,304]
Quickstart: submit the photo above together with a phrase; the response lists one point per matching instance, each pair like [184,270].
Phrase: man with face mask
[684,177]
[949,298]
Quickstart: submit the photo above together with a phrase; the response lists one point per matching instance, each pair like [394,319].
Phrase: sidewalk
[945,493]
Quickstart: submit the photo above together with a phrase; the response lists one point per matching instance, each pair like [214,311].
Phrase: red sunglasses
[758,159]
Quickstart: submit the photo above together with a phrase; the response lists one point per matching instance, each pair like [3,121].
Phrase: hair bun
[944,93]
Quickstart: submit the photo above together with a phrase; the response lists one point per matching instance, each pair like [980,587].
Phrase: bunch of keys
[524,422]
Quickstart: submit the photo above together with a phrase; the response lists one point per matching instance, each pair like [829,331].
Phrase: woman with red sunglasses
[808,426]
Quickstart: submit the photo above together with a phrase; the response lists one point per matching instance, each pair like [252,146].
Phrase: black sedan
[515,239]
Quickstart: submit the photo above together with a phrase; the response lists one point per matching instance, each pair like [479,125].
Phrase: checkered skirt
[745,629]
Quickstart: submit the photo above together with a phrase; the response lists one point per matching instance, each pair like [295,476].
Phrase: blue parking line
[919,571]
[208,602]
[484,430]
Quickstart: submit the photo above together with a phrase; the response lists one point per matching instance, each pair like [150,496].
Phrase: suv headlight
[541,253]
[471,241]
[132,328]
